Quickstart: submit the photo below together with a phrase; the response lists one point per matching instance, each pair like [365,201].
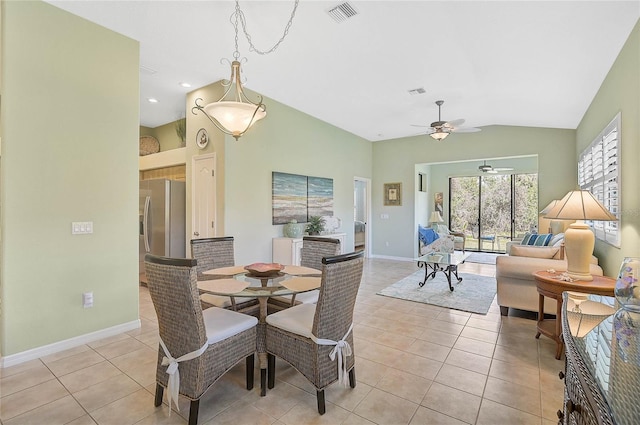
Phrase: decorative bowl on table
[264,269]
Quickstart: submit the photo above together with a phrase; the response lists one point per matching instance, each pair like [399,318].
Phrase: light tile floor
[415,364]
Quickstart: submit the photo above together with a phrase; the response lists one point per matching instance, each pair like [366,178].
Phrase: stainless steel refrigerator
[162,219]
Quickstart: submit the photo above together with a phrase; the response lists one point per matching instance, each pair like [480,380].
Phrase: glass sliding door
[492,209]
[495,211]
[464,208]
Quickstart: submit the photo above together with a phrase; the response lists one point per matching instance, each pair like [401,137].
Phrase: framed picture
[393,194]
[437,201]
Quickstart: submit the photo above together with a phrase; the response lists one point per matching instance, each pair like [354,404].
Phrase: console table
[602,370]
[287,250]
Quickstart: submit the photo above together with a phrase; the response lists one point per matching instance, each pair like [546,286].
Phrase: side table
[549,285]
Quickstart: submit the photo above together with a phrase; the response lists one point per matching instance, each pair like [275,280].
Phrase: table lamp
[435,219]
[546,210]
[579,240]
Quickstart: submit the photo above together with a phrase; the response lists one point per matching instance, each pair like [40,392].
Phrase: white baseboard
[45,350]
[388,257]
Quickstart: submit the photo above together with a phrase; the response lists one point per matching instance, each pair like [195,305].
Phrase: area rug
[482,257]
[474,294]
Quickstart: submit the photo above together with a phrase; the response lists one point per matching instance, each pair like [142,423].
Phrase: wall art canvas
[289,198]
[319,196]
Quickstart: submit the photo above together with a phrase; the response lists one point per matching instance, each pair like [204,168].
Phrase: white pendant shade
[235,117]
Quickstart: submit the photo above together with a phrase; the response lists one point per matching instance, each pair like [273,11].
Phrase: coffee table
[441,262]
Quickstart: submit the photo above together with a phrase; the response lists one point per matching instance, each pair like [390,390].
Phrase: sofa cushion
[533,252]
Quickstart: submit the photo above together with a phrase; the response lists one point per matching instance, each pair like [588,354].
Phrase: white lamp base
[579,242]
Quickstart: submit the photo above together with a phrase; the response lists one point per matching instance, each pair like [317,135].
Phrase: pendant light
[234,113]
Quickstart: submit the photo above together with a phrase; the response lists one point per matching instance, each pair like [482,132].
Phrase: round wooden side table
[549,285]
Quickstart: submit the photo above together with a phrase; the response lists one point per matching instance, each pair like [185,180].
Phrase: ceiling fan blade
[419,125]
[456,123]
[503,169]
[466,129]
[492,171]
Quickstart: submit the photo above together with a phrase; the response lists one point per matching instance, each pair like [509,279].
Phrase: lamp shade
[436,217]
[579,205]
[548,208]
[579,240]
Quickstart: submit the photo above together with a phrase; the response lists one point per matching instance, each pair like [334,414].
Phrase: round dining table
[236,281]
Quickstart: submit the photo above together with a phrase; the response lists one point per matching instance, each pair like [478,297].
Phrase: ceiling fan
[441,129]
[486,168]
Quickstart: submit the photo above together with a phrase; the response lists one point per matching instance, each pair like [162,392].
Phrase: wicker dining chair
[213,253]
[306,335]
[223,337]
[313,250]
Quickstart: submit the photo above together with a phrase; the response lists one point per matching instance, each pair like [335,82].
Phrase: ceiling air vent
[414,92]
[146,70]
[342,12]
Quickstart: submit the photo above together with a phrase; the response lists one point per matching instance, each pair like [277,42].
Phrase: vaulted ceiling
[523,63]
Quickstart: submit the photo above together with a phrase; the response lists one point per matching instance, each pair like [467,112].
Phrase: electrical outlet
[87,299]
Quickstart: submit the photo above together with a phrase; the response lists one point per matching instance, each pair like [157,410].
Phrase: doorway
[493,209]
[361,211]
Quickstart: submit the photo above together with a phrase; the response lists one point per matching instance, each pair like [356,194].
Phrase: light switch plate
[81,227]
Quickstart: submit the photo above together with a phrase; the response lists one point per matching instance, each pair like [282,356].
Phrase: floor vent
[342,12]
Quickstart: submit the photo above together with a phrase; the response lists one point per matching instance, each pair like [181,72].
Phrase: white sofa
[516,286]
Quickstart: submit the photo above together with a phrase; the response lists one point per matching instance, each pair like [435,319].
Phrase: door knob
[196,234]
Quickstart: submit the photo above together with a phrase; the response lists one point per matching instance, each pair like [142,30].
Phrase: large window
[599,173]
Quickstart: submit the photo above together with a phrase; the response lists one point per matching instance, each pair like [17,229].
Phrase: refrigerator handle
[145,223]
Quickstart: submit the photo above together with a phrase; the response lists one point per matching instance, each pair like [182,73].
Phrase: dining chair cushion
[297,320]
[221,324]
[222,301]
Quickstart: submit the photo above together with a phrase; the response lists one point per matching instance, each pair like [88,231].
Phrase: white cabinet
[287,250]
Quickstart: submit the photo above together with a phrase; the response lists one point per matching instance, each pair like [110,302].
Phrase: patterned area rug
[482,258]
[474,294]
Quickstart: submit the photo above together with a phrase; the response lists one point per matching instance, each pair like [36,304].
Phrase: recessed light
[152,100]
[185,85]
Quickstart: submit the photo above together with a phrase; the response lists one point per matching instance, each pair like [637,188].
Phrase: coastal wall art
[298,197]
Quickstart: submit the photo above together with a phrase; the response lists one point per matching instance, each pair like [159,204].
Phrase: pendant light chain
[240,16]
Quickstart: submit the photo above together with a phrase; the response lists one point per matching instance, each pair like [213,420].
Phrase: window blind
[599,173]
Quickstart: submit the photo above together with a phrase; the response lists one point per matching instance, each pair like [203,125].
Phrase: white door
[362,214]
[203,198]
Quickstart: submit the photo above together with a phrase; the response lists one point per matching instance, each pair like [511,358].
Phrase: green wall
[620,92]
[69,126]
[287,141]
[395,161]
[166,135]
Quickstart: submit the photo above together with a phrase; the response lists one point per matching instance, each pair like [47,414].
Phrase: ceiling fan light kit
[234,113]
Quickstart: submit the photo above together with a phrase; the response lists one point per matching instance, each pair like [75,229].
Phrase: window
[599,173]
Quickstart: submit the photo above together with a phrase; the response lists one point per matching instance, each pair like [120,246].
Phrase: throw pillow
[526,238]
[542,240]
[533,252]
[554,240]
